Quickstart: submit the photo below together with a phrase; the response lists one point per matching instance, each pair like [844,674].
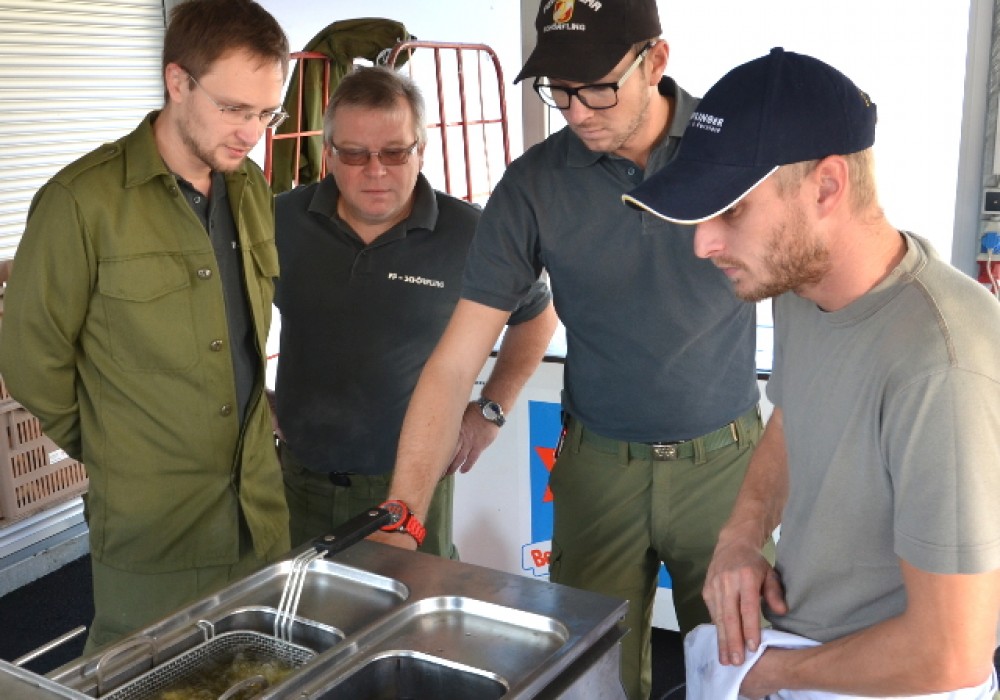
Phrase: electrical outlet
[991,201]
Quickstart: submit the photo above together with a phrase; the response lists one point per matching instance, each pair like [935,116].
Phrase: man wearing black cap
[880,460]
[660,382]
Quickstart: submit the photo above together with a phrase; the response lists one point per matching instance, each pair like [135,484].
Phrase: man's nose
[577,111]
[707,239]
[251,131]
[374,167]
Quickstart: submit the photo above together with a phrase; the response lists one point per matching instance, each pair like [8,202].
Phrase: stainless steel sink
[414,675]
[387,623]
[475,633]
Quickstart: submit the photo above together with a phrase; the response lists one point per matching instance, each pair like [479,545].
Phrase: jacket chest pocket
[149,308]
[265,270]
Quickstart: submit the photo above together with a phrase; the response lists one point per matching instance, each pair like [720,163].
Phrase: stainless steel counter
[376,618]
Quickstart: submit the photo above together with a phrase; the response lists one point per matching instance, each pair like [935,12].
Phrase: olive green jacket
[115,337]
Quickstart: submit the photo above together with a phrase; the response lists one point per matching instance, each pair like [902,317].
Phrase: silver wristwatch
[492,411]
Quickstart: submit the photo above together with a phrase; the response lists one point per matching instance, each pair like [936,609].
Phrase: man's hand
[273,403]
[396,539]
[475,435]
[737,578]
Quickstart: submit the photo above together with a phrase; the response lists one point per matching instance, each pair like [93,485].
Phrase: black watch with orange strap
[403,520]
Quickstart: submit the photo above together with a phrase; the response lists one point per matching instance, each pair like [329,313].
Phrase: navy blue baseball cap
[778,109]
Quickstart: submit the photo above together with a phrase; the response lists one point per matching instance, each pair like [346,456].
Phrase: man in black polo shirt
[371,261]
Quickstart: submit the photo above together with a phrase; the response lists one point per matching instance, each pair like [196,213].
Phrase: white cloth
[707,679]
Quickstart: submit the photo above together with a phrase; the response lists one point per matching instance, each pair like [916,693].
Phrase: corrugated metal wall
[73,74]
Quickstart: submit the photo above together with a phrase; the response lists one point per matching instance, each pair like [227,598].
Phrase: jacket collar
[143,161]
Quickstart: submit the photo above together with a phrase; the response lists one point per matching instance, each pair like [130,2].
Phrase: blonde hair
[861,173]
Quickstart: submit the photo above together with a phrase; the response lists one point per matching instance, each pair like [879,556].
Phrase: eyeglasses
[361,156]
[238,116]
[592,96]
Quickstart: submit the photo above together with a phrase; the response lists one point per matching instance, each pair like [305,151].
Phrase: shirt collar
[423,216]
[579,156]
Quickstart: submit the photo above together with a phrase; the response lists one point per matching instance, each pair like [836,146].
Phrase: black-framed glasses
[238,116]
[592,96]
[386,156]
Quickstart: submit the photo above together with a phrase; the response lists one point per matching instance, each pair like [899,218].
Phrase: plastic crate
[34,471]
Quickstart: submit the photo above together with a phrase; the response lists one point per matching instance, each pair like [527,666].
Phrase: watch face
[397,509]
[491,411]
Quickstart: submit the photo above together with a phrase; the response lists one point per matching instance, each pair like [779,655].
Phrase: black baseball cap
[778,109]
[582,40]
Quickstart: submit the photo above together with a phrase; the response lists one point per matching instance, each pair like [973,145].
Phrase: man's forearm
[942,641]
[427,440]
[886,660]
[521,351]
[762,496]
[434,415]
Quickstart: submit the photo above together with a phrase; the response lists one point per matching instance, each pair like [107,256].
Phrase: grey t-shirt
[892,424]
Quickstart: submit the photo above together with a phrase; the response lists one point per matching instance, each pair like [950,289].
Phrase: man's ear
[831,179]
[658,57]
[176,80]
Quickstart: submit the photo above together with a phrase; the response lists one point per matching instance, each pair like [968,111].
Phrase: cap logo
[564,11]
[562,14]
[706,122]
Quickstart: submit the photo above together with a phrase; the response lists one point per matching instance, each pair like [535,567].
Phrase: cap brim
[569,60]
[689,192]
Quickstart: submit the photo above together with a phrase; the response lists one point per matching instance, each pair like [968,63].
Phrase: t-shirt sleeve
[941,439]
[533,303]
[504,260]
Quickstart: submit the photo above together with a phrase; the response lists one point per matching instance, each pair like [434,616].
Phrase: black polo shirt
[358,321]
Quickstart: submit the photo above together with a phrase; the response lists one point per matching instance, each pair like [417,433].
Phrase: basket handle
[257,683]
[125,646]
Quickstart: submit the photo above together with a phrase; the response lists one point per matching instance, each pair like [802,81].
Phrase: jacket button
[204,273]
[226,409]
[216,345]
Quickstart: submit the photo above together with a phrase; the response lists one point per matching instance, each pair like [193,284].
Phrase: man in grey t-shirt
[880,460]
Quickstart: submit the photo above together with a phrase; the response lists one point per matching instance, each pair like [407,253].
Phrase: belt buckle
[664,451]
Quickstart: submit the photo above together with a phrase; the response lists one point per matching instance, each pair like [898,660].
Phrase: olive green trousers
[619,512]
[317,504]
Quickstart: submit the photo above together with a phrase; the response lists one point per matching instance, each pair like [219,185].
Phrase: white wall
[909,56]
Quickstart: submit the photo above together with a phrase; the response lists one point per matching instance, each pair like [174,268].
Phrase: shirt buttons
[226,410]
[216,345]
[630,172]
[197,199]
[204,273]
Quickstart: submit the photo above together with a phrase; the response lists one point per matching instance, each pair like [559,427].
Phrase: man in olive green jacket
[136,319]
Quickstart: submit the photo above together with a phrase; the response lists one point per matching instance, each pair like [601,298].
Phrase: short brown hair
[200,32]
[376,87]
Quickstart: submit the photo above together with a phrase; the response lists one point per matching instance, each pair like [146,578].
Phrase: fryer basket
[220,648]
